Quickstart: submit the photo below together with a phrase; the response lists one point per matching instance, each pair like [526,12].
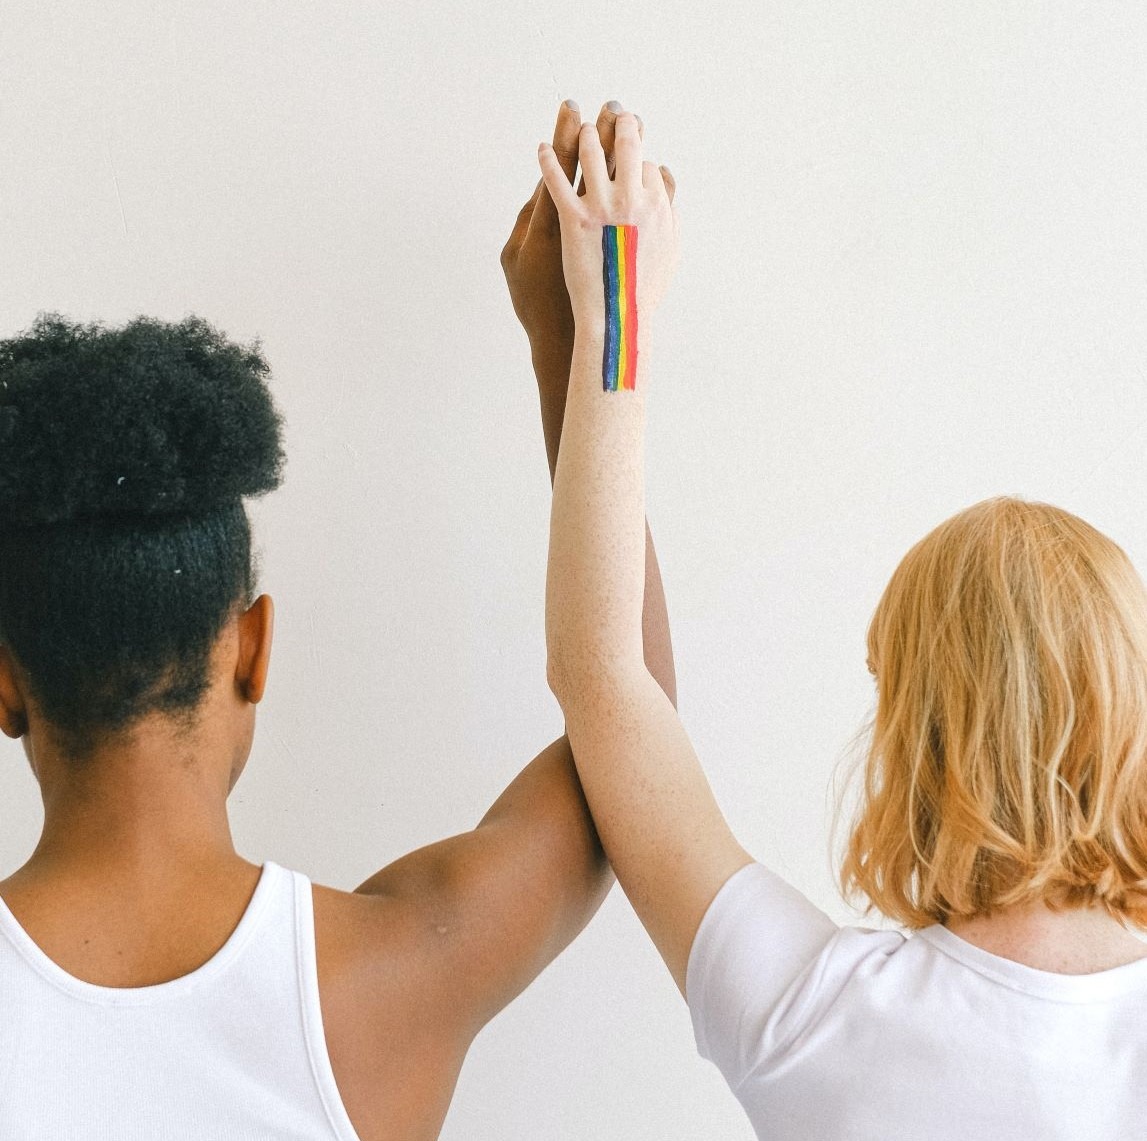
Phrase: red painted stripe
[630,380]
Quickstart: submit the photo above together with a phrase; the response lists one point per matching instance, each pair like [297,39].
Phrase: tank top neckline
[50,970]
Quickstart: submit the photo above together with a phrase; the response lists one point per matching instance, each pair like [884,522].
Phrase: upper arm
[658,820]
[488,909]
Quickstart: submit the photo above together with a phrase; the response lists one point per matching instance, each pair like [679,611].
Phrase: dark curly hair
[125,455]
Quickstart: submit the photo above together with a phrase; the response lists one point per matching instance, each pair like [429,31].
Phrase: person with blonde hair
[1003,817]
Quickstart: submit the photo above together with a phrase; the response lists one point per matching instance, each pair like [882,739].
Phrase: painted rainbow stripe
[619,271]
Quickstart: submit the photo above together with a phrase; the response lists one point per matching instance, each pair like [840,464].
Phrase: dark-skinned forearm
[552,370]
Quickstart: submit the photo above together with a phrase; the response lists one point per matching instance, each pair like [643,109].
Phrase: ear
[13,715]
[256,626]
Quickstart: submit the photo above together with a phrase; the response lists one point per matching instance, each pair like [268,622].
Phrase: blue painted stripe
[612,309]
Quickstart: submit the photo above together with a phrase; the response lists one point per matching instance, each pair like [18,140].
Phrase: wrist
[591,322]
[589,333]
[556,330]
[590,338]
[550,358]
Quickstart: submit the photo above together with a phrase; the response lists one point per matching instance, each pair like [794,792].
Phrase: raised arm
[655,813]
[532,262]
[489,908]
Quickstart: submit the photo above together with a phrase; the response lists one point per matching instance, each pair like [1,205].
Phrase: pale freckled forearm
[552,368]
[598,538]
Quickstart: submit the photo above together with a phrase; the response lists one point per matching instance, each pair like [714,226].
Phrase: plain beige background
[912,277]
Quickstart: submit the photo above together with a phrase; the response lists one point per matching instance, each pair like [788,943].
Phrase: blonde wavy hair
[1007,761]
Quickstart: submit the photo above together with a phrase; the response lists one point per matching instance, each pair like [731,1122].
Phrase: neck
[141,809]
[1076,940]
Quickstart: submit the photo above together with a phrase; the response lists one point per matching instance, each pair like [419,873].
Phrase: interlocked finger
[565,146]
[593,160]
[627,152]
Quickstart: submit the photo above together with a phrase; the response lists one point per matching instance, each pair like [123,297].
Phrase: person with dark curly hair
[153,982]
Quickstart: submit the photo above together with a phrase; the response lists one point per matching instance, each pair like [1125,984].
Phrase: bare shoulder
[395,1058]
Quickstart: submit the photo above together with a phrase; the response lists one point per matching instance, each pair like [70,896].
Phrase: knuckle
[627,203]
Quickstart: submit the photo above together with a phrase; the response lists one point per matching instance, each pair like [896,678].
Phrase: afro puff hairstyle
[125,456]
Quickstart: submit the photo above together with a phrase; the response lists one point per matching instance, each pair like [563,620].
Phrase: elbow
[561,660]
[582,663]
[573,664]
[558,673]
[587,681]
[576,691]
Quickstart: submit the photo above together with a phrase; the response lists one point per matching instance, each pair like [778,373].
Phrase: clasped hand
[532,258]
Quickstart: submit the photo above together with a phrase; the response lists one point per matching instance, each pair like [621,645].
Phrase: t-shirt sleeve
[755,940]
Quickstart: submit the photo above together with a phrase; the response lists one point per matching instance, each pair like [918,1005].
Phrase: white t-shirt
[827,1033]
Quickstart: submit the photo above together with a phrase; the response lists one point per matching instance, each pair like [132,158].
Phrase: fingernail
[613,106]
[572,105]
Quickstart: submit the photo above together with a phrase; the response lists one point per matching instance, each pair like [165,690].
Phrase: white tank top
[233,1051]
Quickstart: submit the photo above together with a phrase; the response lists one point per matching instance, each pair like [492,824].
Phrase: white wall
[912,277]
